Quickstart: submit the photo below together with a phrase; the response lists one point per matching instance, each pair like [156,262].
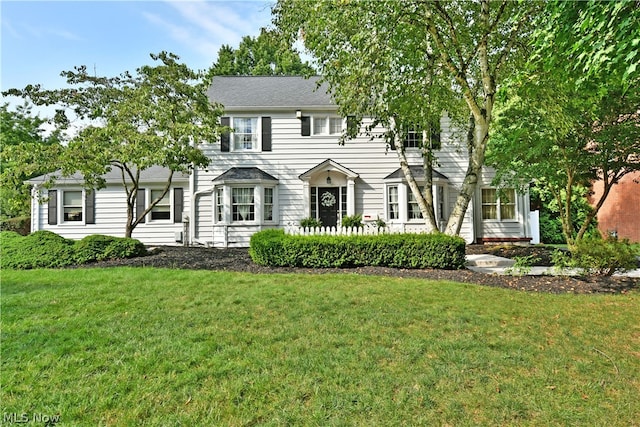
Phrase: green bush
[595,256]
[45,249]
[310,223]
[124,247]
[92,248]
[275,248]
[42,249]
[353,221]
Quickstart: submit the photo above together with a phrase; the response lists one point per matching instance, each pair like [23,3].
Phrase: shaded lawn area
[144,346]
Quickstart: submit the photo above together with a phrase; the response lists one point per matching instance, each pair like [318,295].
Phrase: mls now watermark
[23,418]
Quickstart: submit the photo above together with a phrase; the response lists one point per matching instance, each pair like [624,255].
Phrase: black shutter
[178,204]
[53,207]
[224,138]
[140,204]
[266,134]
[352,125]
[90,205]
[305,122]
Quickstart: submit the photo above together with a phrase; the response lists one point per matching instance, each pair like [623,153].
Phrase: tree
[158,116]
[265,55]
[576,116]
[26,151]
[403,63]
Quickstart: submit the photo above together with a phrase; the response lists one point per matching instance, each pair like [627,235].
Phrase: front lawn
[157,347]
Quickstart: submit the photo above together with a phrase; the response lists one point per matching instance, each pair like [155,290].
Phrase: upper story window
[245,133]
[327,125]
[500,207]
[321,125]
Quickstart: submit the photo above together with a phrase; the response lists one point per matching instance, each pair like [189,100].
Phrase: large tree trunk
[478,137]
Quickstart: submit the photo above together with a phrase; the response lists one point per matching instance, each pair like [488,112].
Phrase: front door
[329,206]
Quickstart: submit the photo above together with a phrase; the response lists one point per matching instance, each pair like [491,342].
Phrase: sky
[40,39]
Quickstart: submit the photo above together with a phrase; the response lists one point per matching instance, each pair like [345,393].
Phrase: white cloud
[204,26]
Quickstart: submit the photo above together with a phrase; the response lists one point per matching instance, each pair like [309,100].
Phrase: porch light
[328,177]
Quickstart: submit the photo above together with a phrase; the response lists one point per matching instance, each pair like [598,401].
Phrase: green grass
[131,347]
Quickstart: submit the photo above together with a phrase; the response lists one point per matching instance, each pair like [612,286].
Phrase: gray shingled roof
[236,92]
[245,174]
[152,174]
[417,171]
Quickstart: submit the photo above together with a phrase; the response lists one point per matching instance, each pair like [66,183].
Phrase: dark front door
[328,201]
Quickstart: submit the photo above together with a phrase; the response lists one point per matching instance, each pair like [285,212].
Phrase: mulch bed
[238,259]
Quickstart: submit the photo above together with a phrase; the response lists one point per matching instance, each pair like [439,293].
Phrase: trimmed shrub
[42,249]
[124,247]
[604,257]
[45,249]
[275,248]
[92,248]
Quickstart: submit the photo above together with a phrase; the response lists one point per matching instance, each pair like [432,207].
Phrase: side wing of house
[74,212]
[282,162]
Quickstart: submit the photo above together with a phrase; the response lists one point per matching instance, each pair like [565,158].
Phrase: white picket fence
[367,230]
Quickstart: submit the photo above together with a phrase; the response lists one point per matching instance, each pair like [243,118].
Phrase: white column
[351,196]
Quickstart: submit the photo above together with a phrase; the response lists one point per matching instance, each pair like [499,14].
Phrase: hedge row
[276,249]
[45,249]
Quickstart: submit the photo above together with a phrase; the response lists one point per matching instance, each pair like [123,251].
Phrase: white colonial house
[282,163]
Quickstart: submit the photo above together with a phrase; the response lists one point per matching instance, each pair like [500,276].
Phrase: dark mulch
[238,259]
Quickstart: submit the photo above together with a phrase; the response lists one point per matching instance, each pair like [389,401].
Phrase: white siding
[293,154]
[110,219]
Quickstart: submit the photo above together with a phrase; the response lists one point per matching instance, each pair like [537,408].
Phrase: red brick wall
[621,210]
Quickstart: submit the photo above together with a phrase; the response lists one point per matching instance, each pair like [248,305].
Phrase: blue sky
[42,38]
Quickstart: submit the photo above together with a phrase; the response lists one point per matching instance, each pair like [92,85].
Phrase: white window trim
[404,192]
[327,127]
[149,199]
[498,205]
[232,144]
[258,201]
[60,207]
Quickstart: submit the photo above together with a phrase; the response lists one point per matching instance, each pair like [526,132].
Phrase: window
[392,203]
[498,208]
[220,204]
[440,202]
[242,204]
[413,138]
[245,135]
[413,208]
[268,204]
[325,125]
[72,205]
[162,210]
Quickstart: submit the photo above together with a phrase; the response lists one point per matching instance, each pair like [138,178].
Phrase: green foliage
[352,221]
[275,248]
[310,223]
[25,152]
[42,249]
[265,55]
[597,256]
[402,63]
[45,249]
[522,265]
[21,225]
[124,247]
[157,117]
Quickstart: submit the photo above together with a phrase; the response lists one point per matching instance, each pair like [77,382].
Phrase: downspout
[192,207]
